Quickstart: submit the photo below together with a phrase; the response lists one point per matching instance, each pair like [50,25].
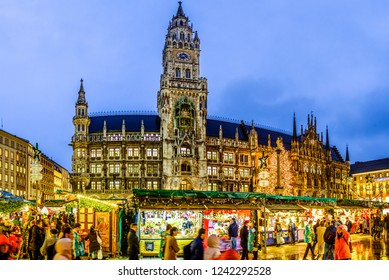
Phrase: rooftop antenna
[1,122]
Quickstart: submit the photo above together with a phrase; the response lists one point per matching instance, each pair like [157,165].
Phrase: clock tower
[182,107]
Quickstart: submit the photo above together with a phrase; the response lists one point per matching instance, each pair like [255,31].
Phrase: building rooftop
[369,166]
[152,121]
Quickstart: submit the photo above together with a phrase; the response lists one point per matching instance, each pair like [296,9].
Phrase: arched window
[187,74]
[178,73]
[182,36]
[185,168]
[181,23]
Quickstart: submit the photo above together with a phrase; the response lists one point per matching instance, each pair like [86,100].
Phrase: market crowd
[331,240]
[41,238]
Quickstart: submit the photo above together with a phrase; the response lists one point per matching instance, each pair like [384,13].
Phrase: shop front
[189,211]
[359,212]
[299,210]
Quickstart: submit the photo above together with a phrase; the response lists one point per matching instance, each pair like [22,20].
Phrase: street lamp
[36,168]
[264,182]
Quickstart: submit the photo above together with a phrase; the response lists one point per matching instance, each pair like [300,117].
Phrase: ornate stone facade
[181,148]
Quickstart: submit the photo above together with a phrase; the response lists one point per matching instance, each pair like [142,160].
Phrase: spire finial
[327,140]
[347,155]
[180,12]
[81,93]
[294,128]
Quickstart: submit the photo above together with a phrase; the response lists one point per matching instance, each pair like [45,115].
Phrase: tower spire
[81,93]
[294,128]
[347,155]
[180,11]
[327,139]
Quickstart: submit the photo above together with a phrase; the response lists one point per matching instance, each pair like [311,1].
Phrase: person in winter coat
[37,239]
[233,233]
[78,246]
[342,243]
[278,233]
[320,239]
[46,249]
[94,244]
[164,235]
[63,247]
[244,238]
[230,254]
[133,243]
[329,244]
[292,231]
[213,249]
[197,246]
[309,237]
[5,248]
[171,246]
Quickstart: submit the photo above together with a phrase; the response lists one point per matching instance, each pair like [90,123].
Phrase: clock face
[183,56]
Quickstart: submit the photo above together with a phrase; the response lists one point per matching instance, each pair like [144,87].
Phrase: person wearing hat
[48,247]
[63,247]
[342,244]
[5,246]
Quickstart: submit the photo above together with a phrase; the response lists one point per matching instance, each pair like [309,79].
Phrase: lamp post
[369,187]
[36,175]
[264,182]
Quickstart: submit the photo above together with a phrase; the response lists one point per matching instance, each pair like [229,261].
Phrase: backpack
[329,236]
[188,251]
[51,251]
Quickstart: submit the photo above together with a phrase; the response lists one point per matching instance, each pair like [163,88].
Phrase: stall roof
[173,199]
[285,207]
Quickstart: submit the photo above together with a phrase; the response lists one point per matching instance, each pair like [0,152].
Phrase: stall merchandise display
[153,222]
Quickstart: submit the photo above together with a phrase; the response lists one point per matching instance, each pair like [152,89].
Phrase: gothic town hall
[180,148]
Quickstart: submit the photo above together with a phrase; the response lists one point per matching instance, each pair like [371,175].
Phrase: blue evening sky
[264,60]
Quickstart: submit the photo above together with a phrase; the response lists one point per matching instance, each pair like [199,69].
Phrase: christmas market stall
[189,211]
[102,214]
[15,213]
[359,212]
[296,209]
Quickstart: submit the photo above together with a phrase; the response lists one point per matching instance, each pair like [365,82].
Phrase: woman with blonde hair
[213,249]
[171,246]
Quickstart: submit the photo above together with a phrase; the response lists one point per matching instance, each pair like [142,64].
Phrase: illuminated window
[185,151]
[212,155]
[212,187]
[228,157]
[133,152]
[245,173]
[114,168]
[228,172]
[212,171]
[133,169]
[152,152]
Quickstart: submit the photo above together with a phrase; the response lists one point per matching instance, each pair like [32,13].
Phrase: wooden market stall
[189,211]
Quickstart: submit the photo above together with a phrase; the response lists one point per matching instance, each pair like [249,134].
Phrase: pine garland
[86,203]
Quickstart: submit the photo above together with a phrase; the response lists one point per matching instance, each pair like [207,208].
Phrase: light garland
[89,202]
